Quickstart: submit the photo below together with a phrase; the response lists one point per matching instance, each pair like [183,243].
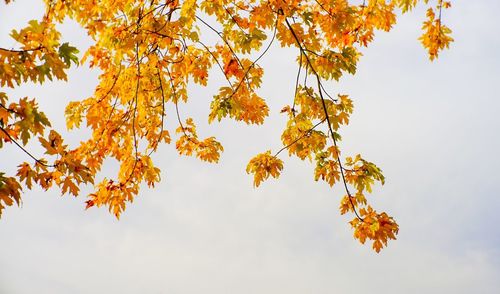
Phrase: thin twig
[24,150]
[305,134]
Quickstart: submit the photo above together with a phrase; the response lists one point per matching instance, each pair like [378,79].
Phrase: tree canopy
[148,53]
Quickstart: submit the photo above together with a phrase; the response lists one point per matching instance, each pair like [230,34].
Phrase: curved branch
[23,50]
[318,79]
[223,39]
[245,76]
[217,61]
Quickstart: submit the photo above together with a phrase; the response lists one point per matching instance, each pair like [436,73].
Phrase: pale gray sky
[431,127]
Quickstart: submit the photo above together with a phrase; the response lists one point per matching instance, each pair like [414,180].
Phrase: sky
[431,126]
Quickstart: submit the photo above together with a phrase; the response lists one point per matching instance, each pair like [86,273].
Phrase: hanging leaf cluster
[148,53]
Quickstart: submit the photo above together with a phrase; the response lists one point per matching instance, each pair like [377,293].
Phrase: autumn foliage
[149,52]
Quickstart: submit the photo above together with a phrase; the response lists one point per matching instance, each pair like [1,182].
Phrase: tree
[148,52]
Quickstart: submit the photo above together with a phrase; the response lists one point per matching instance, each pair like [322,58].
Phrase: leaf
[10,192]
[68,54]
[231,68]
[26,174]
[70,187]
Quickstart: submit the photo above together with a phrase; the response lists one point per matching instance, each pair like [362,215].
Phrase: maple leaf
[231,68]
[68,54]
[69,186]
[26,174]
[10,191]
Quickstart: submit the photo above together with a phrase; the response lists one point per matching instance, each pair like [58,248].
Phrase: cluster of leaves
[148,52]
[436,35]
[40,56]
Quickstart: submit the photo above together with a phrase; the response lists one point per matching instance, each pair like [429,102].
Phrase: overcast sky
[432,127]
